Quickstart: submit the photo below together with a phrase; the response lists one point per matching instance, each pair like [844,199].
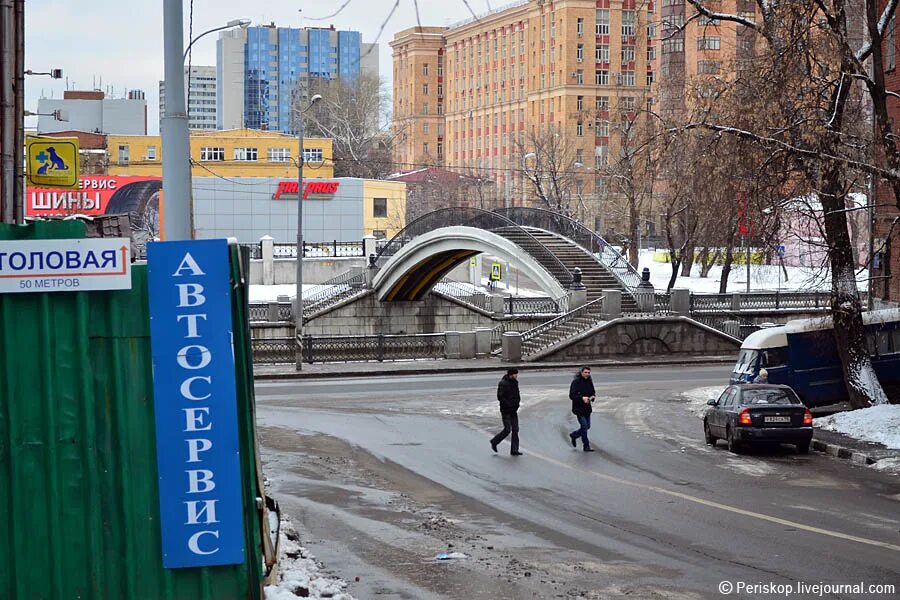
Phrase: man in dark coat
[508,395]
[582,393]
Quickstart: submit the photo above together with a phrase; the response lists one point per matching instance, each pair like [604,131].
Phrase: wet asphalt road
[384,473]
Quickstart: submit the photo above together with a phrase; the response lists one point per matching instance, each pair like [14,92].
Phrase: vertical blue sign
[196,404]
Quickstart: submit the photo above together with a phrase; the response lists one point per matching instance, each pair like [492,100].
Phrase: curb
[836,451]
[485,368]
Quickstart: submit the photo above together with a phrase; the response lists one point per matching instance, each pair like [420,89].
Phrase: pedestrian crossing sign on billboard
[52,162]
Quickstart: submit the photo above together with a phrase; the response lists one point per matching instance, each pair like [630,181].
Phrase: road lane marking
[724,507]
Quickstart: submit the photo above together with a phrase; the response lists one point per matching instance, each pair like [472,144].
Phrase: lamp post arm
[205,33]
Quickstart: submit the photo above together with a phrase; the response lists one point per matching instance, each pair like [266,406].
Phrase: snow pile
[299,575]
[879,424]
[698,397]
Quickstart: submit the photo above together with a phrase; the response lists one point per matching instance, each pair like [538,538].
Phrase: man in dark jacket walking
[508,395]
[582,393]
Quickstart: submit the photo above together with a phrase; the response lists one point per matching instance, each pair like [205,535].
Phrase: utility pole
[179,223]
[8,59]
[298,316]
[19,116]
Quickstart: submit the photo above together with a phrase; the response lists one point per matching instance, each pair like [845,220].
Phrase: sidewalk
[426,367]
[846,447]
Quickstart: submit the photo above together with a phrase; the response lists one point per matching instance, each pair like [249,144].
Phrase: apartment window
[440,108]
[601,104]
[627,78]
[579,129]
[708,43]
[627,54]
[123,155]
[425,109]
[245,154]
[704,20]
[440,89]
[208,153]
[601,156]
[313,155]
[672,45]
[890,51]
[628,23]
[440,150]
[579,27]
[673,23]
[424,89]
[425,128]
[651,53]
[627,103]
[552,25]
[425,148]
[602,128]
[602,21]
[651,78]
[425,69]
[601,77]
[601,53]
[278,154]
[151,152]
[579,77]
[579,53]
[379,208]
[709,67]
[579,103]
[579,156]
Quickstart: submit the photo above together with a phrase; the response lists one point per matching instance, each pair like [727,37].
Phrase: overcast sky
[122,43]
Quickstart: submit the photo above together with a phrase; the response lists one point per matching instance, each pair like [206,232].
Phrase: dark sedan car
[752,413]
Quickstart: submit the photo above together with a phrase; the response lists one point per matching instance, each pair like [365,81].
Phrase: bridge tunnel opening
[421,278]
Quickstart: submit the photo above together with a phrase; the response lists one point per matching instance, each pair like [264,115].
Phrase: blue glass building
[272,65]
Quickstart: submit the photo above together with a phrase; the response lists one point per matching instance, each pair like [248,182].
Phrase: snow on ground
[299,574]
[879,424]
[762,277]
[270,293]
[888,465]
[698,397]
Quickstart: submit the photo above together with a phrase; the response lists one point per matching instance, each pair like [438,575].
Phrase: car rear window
[751,397]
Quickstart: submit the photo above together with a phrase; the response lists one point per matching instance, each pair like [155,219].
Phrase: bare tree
[811,57]
[550,165]
[353,114]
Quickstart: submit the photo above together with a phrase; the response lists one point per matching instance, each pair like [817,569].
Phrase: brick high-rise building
[887,269]
[536,67]
[693,48]
[419,97]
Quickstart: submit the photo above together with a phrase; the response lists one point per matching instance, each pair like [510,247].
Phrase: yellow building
[384,207]
[232,153]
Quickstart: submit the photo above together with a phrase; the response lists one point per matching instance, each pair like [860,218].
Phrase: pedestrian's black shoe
[516,453]
[574,443]
[493,445]
[588,449]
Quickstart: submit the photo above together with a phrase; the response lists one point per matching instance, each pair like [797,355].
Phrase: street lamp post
[298,311]
[242,23]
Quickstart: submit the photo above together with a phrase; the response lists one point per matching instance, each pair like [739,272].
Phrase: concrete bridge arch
[415,269]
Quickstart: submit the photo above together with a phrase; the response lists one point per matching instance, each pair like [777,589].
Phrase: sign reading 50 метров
[72,265]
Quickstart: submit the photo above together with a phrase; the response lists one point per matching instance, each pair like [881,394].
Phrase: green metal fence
[79,505]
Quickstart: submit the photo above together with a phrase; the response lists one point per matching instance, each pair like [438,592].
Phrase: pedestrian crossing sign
[495,272]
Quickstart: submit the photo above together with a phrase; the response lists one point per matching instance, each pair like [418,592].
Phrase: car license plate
[777,419]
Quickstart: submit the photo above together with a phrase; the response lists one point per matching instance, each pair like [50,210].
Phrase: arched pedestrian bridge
[546,246]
